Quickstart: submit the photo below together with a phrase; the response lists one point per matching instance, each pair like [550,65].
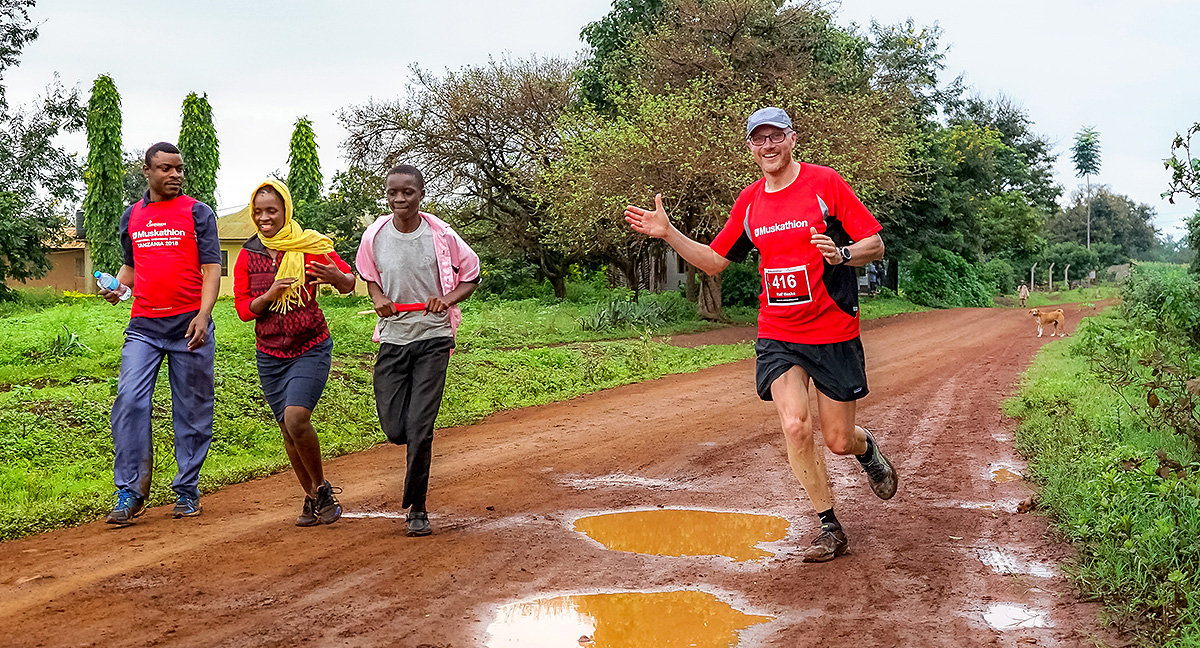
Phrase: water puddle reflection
[1003,562]
[1006,616]
[620,620]
[677,532]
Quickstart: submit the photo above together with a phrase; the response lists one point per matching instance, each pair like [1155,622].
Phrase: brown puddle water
[1002,475]
[673,532]
[621,620]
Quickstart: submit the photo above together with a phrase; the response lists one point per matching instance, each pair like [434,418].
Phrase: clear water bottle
[109,282]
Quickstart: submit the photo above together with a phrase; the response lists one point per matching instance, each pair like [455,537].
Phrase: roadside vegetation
[1111,426]
[60,355]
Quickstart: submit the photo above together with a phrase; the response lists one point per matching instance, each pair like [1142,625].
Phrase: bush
[942,279]
[741,283]
[1163,298]
[998,274]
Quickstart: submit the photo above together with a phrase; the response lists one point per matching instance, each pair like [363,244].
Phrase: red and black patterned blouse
[284,335]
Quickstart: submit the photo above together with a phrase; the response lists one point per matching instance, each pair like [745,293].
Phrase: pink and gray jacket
[456,261]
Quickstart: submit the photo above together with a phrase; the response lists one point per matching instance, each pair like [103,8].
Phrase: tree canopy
[199,148]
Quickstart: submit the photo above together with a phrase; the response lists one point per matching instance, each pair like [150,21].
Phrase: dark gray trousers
[409,381]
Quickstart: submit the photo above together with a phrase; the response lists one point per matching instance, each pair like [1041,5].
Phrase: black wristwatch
[845,252]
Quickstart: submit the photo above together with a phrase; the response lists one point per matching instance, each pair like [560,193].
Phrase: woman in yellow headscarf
[274,283]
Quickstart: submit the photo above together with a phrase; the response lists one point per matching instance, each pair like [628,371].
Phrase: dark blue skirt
[295,382]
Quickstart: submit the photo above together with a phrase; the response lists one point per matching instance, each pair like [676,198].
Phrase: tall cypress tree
[199,147]
[304,167]
[104,175]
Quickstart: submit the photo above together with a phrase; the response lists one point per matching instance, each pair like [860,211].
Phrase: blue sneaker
[128,507]
[186,507]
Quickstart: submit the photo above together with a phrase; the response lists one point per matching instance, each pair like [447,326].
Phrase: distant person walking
[407,257]
[809,229]
[1023,293]
[172,261]
[275,280]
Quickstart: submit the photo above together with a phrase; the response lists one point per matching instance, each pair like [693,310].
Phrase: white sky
[1126,70]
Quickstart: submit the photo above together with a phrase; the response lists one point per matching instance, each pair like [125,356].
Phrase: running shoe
[829,544]
[307,515]
[326,507]
[186,507]
[418,523]
[880,473]
[128,507]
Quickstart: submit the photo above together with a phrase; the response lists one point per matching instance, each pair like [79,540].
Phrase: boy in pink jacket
[409,256]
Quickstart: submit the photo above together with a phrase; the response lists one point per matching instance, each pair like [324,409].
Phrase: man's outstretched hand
[654,223]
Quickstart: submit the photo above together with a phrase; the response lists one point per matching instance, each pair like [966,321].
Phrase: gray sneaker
[326,507]
[880,473]
[307,516]
[829,544]
[418,523]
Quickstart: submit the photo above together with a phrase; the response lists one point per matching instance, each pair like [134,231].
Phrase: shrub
[741,283]
[942,279]
[998,274]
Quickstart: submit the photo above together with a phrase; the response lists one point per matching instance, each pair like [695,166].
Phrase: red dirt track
[505,491]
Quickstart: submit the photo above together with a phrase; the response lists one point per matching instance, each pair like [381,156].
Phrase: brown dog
[1048,318]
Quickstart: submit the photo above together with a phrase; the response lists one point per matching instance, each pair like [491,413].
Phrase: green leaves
[199,147]
[104,175]
[1085,154]
[304,166]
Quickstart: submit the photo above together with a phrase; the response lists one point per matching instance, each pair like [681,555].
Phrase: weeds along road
[931,567]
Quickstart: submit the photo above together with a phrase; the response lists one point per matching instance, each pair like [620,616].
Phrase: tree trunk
[690,284]
[560,287]
[709,304]
[892,279]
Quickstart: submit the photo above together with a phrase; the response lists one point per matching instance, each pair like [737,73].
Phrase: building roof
[237,226]
[69,241]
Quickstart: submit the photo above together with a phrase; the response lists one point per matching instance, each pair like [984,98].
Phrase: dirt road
[928,568]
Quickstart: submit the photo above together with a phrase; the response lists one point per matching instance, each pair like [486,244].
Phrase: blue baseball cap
[768,116]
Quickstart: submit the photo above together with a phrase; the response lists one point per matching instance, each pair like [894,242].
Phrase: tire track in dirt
[505,491]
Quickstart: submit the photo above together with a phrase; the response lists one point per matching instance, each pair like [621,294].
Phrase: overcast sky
[1127,70]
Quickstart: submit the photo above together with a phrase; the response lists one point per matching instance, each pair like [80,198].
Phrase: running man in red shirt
[809,229]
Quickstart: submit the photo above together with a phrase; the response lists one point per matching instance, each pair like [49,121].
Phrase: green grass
[1039,298]
[886,304]
[59,358]
[1137,533]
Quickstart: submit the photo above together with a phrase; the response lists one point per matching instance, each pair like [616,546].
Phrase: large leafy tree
[1085,155]
[1111,218]
[482,137]
[355,199]
[199,147]
[673,121]
[37,178]
[304,179]
[104,175]
[1185,181]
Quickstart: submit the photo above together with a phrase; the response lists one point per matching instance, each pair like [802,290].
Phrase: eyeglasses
[776,138]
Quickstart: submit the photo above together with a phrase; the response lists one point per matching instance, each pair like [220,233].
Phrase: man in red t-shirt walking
[172,262]
[810,229]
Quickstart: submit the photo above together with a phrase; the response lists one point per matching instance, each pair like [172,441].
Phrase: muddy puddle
[620,620]
[1007,562]
[1008,616]
[1002,474]
[684,532]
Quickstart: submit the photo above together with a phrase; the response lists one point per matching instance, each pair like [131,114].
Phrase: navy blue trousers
[190,374]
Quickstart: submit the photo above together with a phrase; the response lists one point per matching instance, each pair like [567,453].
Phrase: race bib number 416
[787,286]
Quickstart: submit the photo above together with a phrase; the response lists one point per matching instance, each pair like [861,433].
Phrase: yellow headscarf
[294,242]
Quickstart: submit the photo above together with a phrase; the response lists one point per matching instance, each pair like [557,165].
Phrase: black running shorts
[839,369]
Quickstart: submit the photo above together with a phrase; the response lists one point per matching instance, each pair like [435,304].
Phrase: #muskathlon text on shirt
[158,237]
[780,227]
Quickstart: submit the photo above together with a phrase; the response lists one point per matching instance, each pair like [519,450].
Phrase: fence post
[1050,277]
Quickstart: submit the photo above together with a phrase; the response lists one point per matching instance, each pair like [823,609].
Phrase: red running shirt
[803,300]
